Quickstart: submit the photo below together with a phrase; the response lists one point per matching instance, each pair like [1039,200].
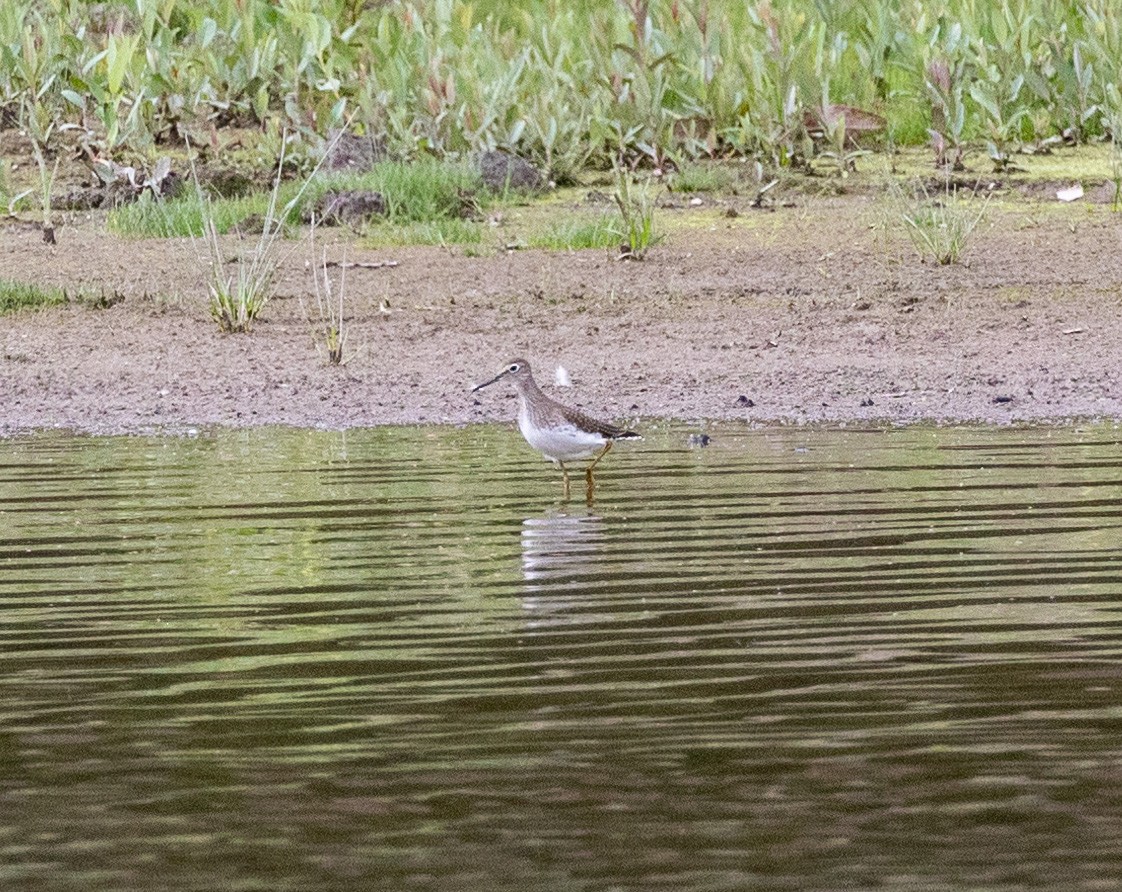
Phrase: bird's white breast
[562,443]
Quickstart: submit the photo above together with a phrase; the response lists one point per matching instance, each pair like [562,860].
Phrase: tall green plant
[568,83]
[636,202]
[1114,125]
[237,299]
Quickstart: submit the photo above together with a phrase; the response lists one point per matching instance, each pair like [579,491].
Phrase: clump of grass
[431,232]
[425,190]
[237,300]
[187,215]
[940,228]
[636,203]
[1114,120]
[40,131]
[329,326]
[9,200]
[428,202]
[1116,175]
[575,234]
[703,177]
[23,295]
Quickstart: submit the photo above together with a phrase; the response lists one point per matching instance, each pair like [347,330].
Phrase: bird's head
[516,369]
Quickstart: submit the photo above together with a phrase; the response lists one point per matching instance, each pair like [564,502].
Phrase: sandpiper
[558,432]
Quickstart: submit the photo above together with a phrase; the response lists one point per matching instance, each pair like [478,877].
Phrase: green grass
[421,191]
[429,202]
[22,295]
[185,216]
[431,232]
[909,117]
[438,195]
[449,78]
[575,233]
[637,202]
[12,201]
[700,176]
[941,226]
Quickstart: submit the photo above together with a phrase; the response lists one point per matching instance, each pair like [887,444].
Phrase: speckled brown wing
[588,423]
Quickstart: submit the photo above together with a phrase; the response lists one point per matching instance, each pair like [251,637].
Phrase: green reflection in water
[797,658]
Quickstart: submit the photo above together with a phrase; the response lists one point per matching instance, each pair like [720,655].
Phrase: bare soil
[801,314]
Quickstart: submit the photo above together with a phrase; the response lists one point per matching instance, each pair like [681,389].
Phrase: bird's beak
[489,383]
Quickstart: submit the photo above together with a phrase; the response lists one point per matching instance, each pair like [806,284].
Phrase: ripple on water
[793,659]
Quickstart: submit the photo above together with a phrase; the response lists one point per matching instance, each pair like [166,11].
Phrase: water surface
[393,659]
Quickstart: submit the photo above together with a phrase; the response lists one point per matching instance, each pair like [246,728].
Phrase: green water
[393,659]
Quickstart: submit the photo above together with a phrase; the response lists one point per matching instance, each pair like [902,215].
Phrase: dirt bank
[803,314]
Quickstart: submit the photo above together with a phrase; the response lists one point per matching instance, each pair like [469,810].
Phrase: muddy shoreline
[802,315]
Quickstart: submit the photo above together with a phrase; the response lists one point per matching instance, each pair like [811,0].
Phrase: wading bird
[560,433]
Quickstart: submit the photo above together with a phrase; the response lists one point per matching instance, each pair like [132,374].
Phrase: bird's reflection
[559,549]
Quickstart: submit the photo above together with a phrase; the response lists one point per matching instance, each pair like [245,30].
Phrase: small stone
[501,171]
[350,151]
[347,207]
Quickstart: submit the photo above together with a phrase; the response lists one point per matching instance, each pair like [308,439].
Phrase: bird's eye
[513,367]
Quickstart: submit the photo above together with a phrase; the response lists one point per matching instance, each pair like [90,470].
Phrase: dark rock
[80,200]
[254,224]
[119,193]
[348,207]
[349,151]
[226,182]
[501,171]
[172,185]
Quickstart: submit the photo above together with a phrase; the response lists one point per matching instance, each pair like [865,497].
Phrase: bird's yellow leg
[565,474]
[599,455]
[588,471]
